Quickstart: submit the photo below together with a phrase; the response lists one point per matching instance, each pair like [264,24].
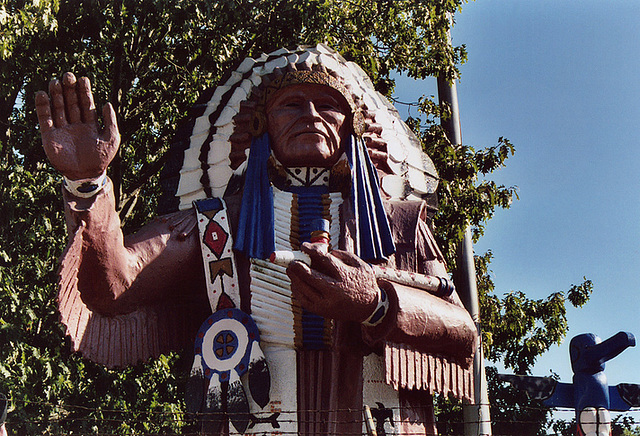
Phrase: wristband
[380,311]
[85,188]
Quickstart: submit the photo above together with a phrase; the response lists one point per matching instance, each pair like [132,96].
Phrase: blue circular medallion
[225,344]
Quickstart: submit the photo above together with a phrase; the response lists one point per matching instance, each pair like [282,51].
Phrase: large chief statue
[297,262]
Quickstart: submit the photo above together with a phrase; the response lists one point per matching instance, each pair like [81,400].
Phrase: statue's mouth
[310,132]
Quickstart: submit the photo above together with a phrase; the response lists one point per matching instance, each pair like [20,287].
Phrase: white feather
[279,52]
[217,96]
[323,48]
[238,96]
[247,85]
[226,131]
[397,150]
[191,159]
[201,126]
[417,180]
[246,65]
[186,201]
[233,79]
[329,62]
[196,368]
[256,353]
[303,57]
[255,78]
[393,186]
[219,150]
[273,64]
[219,175]
[226,116]
[189,182]
[241,168]
[293,58]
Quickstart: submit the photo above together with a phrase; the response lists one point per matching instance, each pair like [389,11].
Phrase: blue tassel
[256,235]
[374,240]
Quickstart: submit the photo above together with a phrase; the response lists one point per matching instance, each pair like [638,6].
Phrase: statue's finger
[87,106]
[320,259]
[69,89]
[308,304]
[350,259]
[43,109]
[302,297]
[311,281]
[55,91]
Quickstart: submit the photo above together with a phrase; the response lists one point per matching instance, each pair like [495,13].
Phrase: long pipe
[476,416]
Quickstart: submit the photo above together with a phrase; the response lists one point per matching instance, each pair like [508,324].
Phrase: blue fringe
[256,234]
[373,234]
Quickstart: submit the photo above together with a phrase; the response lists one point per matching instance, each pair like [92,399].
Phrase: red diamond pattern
[215,237]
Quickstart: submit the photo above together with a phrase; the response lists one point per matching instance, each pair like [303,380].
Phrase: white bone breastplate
[284,326]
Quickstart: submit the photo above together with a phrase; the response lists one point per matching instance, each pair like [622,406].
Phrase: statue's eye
[327,104]
[326,107]
[292,103]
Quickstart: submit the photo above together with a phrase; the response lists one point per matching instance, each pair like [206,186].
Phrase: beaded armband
[85,188]
[380,311]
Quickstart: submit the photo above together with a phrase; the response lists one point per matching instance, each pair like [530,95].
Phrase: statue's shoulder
[404,216]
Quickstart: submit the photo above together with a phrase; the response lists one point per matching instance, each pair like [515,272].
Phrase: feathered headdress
[213,148]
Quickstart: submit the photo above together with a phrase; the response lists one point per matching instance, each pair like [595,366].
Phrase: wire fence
[113,417]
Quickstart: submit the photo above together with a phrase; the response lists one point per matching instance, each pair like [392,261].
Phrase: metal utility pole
[476,416]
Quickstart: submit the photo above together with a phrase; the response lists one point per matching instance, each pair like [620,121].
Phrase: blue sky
[561,80]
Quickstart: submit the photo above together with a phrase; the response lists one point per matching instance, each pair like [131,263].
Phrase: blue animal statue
[589,394]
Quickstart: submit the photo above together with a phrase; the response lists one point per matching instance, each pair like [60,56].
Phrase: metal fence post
[477,416]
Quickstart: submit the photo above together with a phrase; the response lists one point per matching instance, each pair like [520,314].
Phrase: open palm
[71,137]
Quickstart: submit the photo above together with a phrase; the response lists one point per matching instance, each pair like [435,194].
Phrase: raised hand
[339,285]
[71,137]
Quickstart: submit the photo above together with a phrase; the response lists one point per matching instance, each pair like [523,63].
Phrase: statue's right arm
[116,274]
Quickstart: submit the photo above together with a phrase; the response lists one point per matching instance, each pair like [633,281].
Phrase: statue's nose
[309,109]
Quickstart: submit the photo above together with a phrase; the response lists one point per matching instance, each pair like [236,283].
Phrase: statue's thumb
[110,132]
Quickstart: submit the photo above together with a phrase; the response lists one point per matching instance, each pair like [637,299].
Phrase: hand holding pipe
[438,286]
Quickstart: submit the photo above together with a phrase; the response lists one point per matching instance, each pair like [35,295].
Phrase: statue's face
[308,125]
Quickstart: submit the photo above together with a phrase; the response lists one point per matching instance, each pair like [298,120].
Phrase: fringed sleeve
[428,342]
[146,329]
[408,368]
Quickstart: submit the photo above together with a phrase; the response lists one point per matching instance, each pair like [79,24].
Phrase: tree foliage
[517,329]
[151,58]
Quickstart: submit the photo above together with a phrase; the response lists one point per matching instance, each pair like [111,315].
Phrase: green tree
[151,59]
[22,23]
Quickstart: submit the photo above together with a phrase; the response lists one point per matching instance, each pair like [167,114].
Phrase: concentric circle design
[224,341]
